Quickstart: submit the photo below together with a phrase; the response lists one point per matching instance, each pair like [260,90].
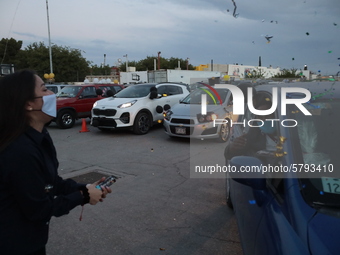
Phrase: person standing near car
[31,192]
[263,136]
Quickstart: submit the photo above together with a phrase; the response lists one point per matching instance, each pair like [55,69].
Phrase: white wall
[133,77]
[241,71]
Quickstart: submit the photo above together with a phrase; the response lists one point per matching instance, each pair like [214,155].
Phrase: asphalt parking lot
[155,207]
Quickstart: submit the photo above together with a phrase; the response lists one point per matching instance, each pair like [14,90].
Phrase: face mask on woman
[49,105]
[268,127]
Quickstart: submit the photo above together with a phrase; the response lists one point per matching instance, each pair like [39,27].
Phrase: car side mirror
[247,170]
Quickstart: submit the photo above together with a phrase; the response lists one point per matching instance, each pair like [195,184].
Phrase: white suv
[137,106]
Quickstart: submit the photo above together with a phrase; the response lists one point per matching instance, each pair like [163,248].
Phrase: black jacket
[31,192]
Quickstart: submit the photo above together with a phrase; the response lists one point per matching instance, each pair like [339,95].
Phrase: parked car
[136,107]
[187,86]
[185,119]
[76,101]
[55,87]
[295,210]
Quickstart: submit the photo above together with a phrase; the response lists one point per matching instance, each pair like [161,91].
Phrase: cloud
[27,35]
[199,29]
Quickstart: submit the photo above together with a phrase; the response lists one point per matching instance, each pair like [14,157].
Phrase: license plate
[180,130]
[331,185]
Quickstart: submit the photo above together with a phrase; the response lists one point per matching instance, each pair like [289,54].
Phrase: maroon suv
[76,101]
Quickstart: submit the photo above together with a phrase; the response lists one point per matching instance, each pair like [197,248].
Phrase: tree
[286,73]
[256,73]
[148,64]
[68,64]
[9,48]
[100,70]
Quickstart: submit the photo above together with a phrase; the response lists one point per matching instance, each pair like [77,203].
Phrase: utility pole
[159,60]
[126,63]
[49,38]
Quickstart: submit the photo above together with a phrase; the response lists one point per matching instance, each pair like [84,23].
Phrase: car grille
[182,121]
[105,112]
[104,122]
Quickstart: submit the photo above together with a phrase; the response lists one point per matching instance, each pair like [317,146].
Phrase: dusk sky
[303,31]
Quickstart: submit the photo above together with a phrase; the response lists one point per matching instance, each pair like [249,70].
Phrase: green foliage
[256,73]
[9,48]
[286,73]
[100,70]
[148,64]
[68,64]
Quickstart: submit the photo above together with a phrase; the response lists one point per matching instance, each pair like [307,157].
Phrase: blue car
[287,201]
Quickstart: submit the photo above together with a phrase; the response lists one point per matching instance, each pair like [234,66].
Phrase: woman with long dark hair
[31,191]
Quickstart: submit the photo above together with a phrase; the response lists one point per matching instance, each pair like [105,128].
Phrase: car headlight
[209,117]
[167,115]
[95,104]
[128,104]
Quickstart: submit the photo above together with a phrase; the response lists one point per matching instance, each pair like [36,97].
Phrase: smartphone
[107,182]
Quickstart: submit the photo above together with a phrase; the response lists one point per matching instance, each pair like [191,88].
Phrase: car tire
[224,133]
[228,197]
[142,123]
[65,119]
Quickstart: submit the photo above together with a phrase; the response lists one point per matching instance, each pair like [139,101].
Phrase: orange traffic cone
[84,127]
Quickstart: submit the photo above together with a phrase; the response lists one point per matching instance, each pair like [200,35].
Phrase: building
[202,74]
[184,76]
[240,71]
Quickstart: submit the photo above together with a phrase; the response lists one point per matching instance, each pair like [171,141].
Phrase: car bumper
[111,118]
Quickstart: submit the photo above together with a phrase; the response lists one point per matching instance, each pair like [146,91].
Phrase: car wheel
[228,198]
[65,119]
[224,133]
[142,123]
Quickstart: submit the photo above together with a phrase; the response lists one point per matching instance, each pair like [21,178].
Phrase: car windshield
[213,96]
[135,91]
[316,140]
[69,91]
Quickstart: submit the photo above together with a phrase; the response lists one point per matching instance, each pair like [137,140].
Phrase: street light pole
[49,37]
[126,63]
[159,60]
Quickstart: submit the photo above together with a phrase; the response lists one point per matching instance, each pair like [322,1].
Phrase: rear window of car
[69,91]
